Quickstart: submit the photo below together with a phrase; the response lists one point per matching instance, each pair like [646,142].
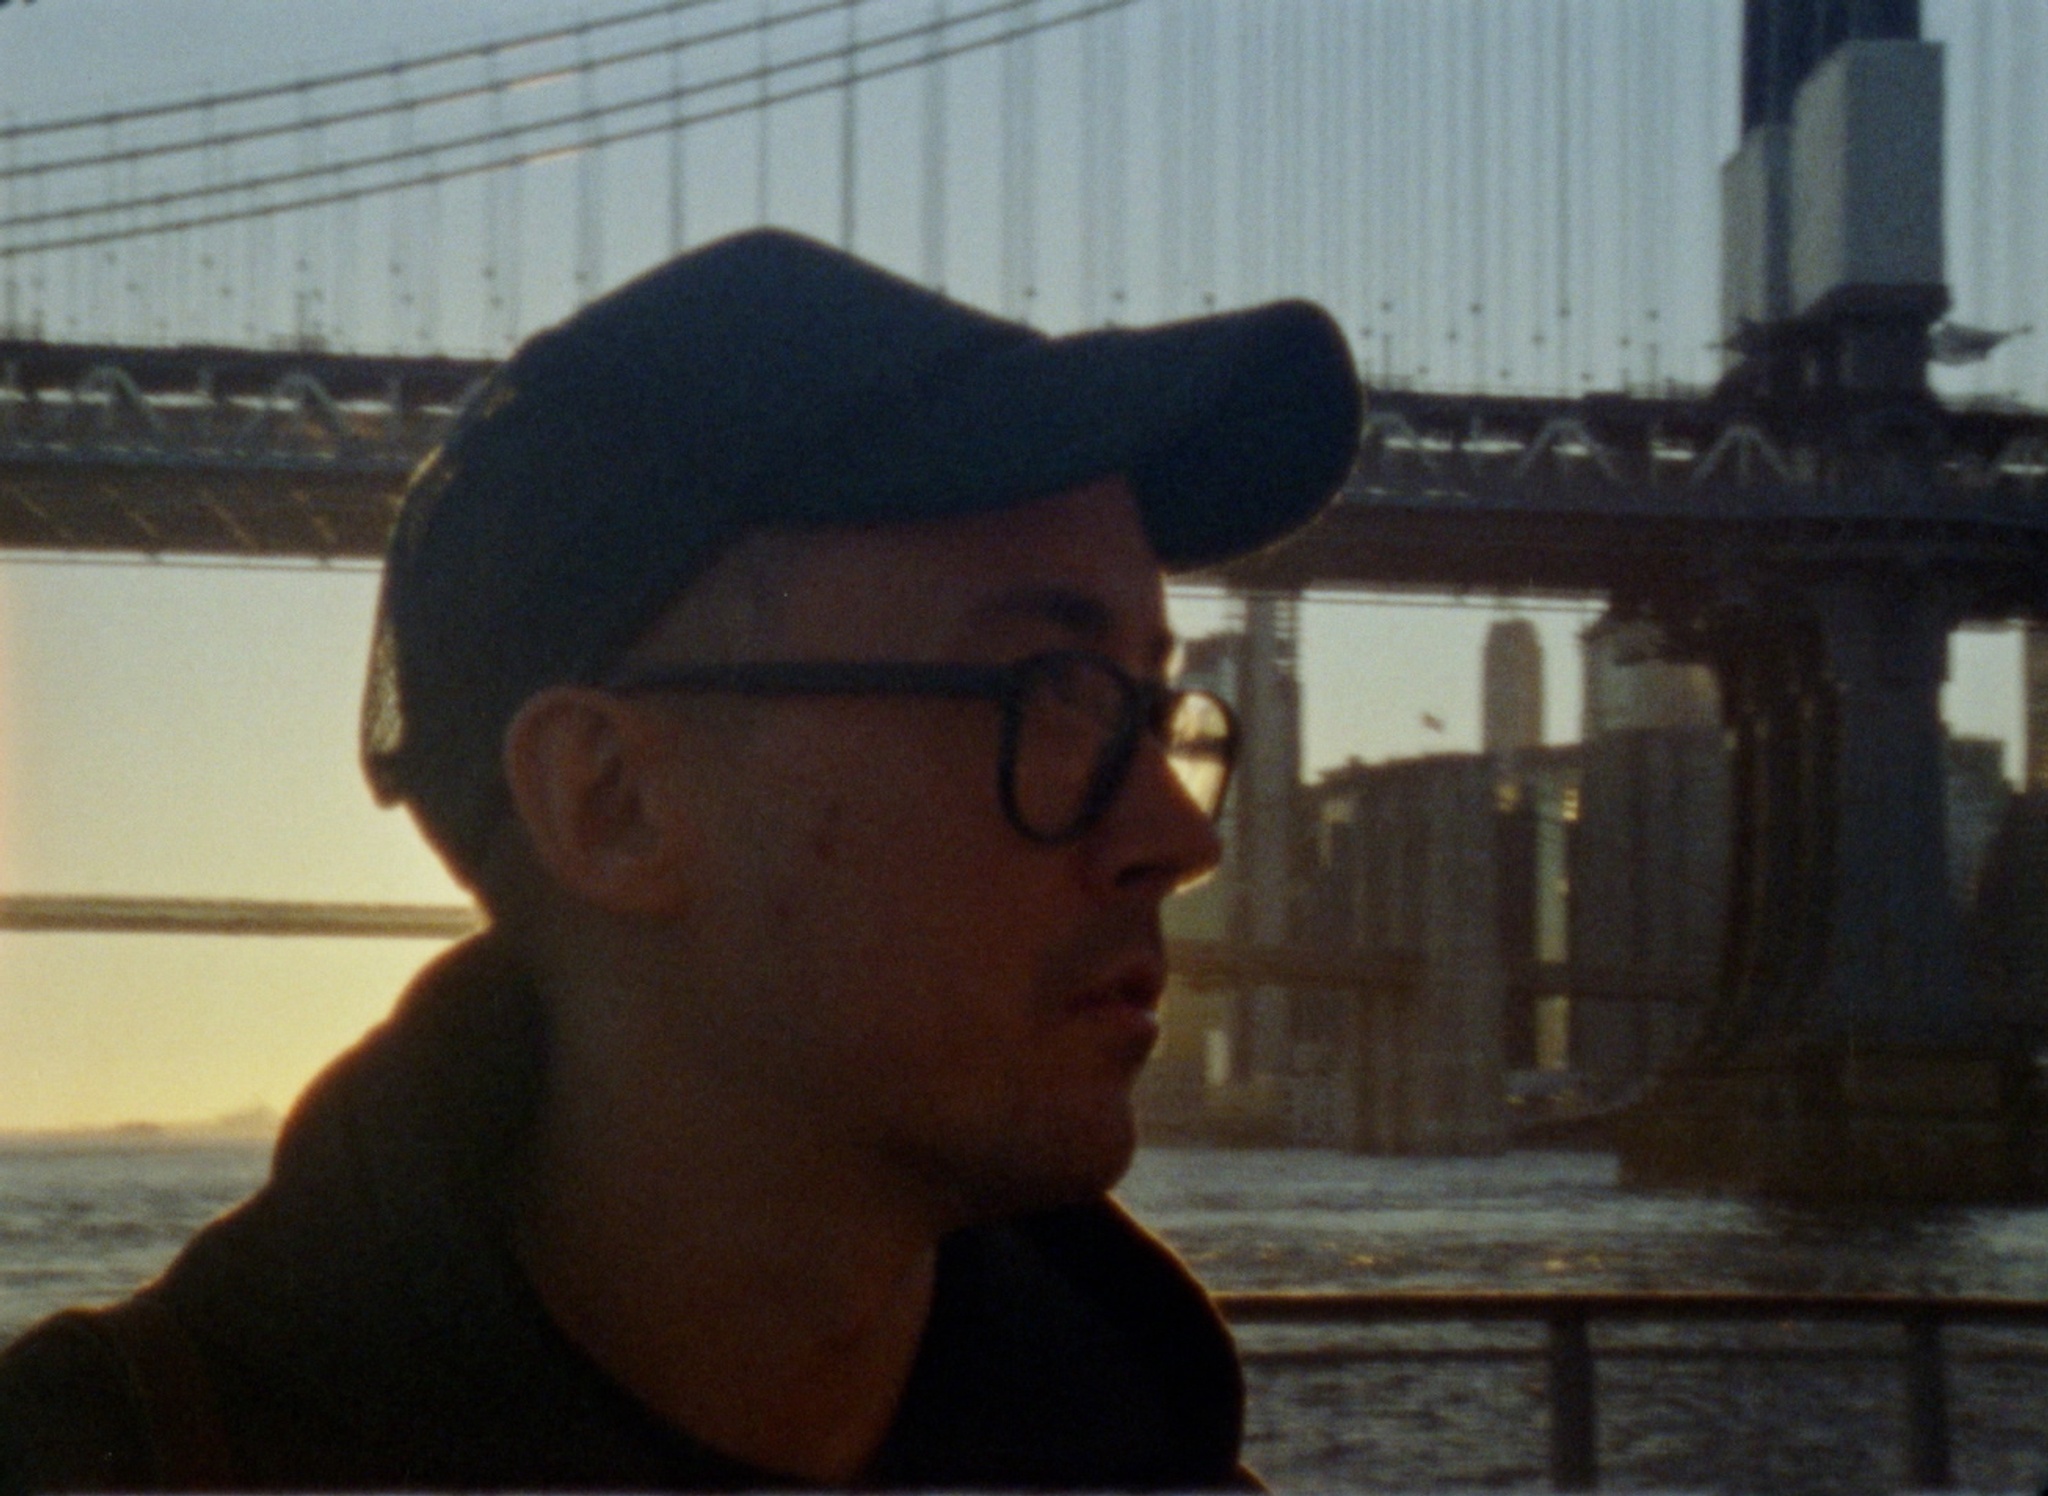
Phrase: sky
[185,729]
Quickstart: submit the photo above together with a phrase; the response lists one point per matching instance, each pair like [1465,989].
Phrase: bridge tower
[1845,1054]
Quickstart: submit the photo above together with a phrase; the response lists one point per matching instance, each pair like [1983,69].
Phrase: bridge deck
[229,451]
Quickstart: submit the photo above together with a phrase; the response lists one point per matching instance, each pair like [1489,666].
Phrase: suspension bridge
[286,286]
[231,319]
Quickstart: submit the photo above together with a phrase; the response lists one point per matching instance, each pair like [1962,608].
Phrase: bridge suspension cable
[589,115]
[408,106]
[1504,194]
[401,102]
[208,102]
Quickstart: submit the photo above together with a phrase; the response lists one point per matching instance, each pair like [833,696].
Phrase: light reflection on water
[85,1225]
[1273,1219]
[1552,1221]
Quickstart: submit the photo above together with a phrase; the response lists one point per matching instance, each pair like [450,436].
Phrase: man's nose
[1153,832]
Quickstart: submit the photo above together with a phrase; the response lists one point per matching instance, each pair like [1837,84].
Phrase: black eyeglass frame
[1149,706]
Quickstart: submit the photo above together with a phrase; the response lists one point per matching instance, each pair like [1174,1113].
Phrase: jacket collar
[368,1297]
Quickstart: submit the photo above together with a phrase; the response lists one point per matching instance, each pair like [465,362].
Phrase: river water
[1779,1408]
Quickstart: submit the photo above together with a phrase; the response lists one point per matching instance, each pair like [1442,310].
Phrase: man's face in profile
[957,1009]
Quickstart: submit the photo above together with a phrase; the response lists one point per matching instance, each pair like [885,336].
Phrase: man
[778,650]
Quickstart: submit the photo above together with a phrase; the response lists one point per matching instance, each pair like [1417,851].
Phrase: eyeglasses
[1072,723]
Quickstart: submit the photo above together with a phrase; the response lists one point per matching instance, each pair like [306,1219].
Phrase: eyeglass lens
[1198,748]
[1078,723]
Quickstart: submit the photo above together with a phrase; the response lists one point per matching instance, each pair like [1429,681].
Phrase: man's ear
[588,771]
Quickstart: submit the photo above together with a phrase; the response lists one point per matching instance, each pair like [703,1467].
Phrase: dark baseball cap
[769,381]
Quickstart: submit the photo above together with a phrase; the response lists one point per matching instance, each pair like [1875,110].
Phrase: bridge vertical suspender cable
[496,229]
[589,185]
[1331,53]
[1287,148]
[259,274]
[1523,269]
[763,136]
[1277,162]
[1721,106]
[1628,200]
[427,266]
[307,321]
[397,302]
[2024,272]
[1351,80]
[1174,79]
[1406,199]
[1293,149]
[849,130]
[1356,183]
[1662,202]
[678,153]
[1985,112]
[1203,167]
[514,283]
[1581,139]
[1479,151]
[1020,171]
[1432,194]
[1092,195]
[932,195]
[96,271]
[1374,262]
[2034,193]
[1527,282]
[10,288]
[1255,212]
[95,280]
[205,243]
[1116,174]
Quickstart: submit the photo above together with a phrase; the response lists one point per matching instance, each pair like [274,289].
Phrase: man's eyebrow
[1088,618]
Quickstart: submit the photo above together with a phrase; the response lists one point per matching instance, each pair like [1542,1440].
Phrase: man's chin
[1076,1165]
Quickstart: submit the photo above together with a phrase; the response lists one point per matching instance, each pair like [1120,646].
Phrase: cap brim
[1232,430]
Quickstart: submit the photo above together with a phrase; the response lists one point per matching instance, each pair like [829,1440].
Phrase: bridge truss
[238,452]
[214,451]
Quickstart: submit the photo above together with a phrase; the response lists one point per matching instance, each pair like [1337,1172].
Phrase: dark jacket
[360,1321]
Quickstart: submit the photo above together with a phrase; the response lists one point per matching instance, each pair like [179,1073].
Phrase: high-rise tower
[1511,704]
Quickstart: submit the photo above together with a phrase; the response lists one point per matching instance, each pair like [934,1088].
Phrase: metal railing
[1570,1354]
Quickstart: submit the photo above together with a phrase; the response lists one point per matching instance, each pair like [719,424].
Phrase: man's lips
[1134,986]
[1117,1015]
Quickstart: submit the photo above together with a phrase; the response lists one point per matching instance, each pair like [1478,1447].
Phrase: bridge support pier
[1844,1056]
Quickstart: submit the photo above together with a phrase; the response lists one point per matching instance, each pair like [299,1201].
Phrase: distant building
[2034,779]
[1534,928]
[1537,799]
[1226,1058]
[1978,798]
[1632,686]
[2005,926]
[1511,688]
[1408,866]
[1254,669]
[1650,855]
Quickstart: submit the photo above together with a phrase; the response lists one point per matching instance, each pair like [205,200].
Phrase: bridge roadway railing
[1570,1353]
[1670,497]
[301,451]
[215,451]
